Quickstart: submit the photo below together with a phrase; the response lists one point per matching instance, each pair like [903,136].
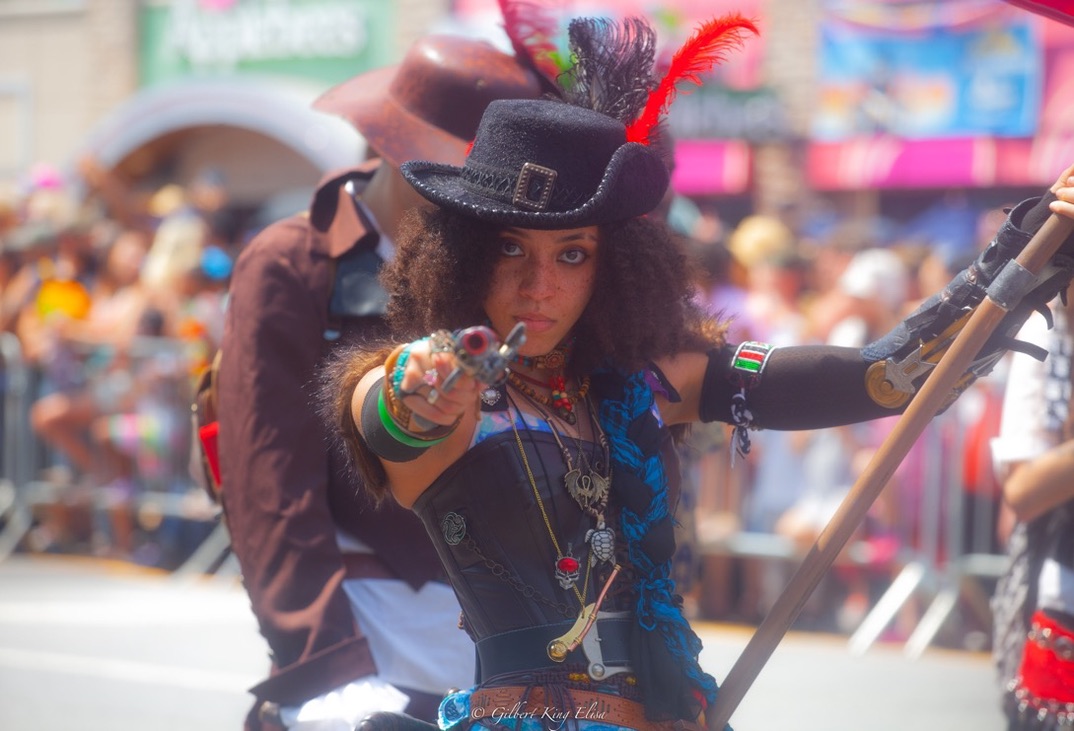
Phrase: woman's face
[543,279]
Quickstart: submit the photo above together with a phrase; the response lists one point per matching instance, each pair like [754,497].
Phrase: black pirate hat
[588,160]
[546,164]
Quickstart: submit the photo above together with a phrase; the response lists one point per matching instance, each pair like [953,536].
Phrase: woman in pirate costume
[541,462]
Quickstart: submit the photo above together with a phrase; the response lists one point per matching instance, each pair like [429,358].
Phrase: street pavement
[102,646]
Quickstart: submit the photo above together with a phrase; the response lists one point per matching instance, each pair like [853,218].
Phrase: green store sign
[323,40]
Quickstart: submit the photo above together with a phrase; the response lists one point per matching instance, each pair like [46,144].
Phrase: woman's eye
[574,256]
[510,248]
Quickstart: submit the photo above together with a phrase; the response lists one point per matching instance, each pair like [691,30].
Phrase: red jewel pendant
[567,571]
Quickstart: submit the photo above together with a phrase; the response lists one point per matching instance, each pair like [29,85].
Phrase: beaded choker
[555,360]
[560,400]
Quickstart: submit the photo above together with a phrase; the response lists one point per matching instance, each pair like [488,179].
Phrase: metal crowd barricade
[933,565]
[726,536]
[952,559]
[14,512]
[922,572]
[171,493]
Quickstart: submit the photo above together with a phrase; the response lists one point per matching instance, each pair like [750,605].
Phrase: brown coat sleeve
[275,466]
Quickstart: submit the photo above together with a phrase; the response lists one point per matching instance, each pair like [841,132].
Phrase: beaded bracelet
[400,369]
[399,434]
[394,368]
[391,403]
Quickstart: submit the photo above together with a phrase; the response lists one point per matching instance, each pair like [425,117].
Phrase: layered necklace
[567,567]
[588,482]
[560,400]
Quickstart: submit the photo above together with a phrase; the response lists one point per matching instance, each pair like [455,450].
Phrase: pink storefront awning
[973,162]
[711,167]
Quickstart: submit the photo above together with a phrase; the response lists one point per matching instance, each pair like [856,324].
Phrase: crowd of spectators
[846,284]
[116,299]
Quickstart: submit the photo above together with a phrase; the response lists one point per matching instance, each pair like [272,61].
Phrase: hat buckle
[534,187]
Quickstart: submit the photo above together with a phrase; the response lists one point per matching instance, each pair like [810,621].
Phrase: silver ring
[433,396]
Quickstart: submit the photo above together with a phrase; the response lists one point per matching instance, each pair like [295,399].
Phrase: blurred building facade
[863,107]
[159,90]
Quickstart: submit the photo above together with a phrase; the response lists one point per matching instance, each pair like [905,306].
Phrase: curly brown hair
[642,306]
[338,377]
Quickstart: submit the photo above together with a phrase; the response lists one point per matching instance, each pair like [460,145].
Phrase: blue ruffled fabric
[666,647]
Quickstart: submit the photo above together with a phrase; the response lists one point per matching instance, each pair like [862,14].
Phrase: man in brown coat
[348,596]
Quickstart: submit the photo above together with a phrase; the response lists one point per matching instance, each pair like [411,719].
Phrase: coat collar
[342,224]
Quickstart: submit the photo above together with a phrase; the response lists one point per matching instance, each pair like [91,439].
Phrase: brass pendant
[587,488]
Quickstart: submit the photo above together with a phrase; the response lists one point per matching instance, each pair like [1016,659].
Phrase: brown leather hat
[428,107]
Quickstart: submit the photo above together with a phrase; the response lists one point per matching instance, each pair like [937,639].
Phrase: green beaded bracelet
[397,432]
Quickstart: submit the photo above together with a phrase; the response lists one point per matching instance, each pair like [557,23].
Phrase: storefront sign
[926,77]
[713,111]
[328,40]
[884,160]
[967,162]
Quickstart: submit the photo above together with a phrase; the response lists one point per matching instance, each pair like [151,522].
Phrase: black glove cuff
[376,435]
[964,292]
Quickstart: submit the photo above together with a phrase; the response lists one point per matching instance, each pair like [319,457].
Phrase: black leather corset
[492,538]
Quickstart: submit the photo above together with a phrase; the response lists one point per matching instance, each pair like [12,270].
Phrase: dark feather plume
[612,66]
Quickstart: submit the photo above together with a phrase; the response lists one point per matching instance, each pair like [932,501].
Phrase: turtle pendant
[601,542]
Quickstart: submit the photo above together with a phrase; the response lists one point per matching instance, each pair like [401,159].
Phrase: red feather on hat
[707,47]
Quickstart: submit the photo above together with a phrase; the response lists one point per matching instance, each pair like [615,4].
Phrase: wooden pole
[926,402]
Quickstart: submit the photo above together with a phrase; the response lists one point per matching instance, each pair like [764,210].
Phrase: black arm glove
[810,387]
[801,387]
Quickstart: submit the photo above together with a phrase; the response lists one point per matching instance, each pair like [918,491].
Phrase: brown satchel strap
[203,411]
[205,391]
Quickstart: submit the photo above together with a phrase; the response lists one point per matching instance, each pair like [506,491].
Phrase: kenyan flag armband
[747,367]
